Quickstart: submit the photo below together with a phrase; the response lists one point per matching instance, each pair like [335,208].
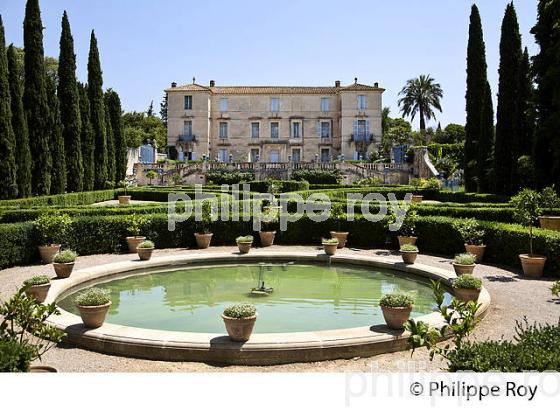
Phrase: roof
[273,89]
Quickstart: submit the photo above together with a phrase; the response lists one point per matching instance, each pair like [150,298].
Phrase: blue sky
[147,44]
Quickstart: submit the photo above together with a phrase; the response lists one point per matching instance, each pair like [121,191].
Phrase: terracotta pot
[407,240]
[63,270]
[47,252]
[341,236]
[463,269]
[476,250]
[267,238]
[395,317]
[144,253]
[39,292]
[466,295]
[203,240]
[533,265]
[133,242]
[244,247]
[417,198]
[409,256]
[42,369]
[330,249]
[240,330]
[124,199]
[94,316]
[550,222]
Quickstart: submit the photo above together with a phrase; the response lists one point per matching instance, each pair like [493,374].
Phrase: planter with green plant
[51,229]
[464,264]
[134,225]
[93,305]
[396,308]
[203,235]
[472,234]
[145,250]
[467,288]
[268,226]
[409,253]
[550,200]
[63,263]
[527,211]
[244,243]
[330,245]
[240,320]
[124,199]
[406,232]
[37,287]
[337,213]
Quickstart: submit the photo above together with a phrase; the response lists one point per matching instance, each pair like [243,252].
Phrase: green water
[305,297]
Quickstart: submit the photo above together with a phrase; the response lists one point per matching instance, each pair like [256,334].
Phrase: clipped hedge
[283,186]
[71,199]
[317,176]
[18,243]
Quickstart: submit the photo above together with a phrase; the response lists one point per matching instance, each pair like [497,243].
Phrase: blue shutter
[319,128]
[355,128]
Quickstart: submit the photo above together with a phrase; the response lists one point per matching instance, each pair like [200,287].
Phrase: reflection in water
[305,297]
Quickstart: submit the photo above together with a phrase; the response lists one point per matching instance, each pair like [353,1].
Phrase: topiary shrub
[240,311]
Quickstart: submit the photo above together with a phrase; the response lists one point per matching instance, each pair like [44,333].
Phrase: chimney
[212,83]
[173,84]
[376,85]
[337,83]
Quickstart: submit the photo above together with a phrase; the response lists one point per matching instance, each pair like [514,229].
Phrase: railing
[361,137]
[187,138]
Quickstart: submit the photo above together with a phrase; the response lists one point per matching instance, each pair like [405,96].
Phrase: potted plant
[406,231]
[464,264]
[240,320]
[37,287]
[467,288]
[124,199]
[337,213]
[244,243]
[330,245]
[63,263]
[417,184]
[134,225]
[527,212]
[472,234]
[51,229]
[396,308]
[409,253]
[550,200]
[145,250]
[203,235]
[269,223]
[93,304]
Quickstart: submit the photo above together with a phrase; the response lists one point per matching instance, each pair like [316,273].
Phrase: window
[223,104]
[274,156]
[275,104]
[362,129]
[325,104]
[325,129]
[255,130]
[223,130]
[296,154]
[188,102]
[187,128]
[254,155]
[273,130]
[362,103]
[223,155]
[325,155]
[296,130]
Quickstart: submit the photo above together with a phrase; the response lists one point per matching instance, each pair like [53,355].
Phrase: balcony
[187,138]
[361,137]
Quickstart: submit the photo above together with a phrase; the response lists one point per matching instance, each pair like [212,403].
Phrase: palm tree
[420,96]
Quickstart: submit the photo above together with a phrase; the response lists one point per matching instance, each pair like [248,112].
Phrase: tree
[115,113]
[163,109]
[51,66]
[150,112]
[70,109]
[35,99]
[385,119]
[452,134]
[139,129]
[8,168]
[58,176]
[399,132]
[19,125]
[507,138]
[86,139]
[420,96]
[476,86]
[110,146]
[97,110]
[485,146]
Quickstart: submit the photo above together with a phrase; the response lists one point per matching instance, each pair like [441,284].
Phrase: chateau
[274,123]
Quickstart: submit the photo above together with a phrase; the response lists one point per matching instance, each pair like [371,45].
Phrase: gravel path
[513,298]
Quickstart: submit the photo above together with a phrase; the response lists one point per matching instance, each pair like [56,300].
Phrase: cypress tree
[485,147]
[87,140]
[110,145]
[546,67]
[70,109]
[97,112]
[35,99]
[115,113]
[508,103]
[19,125]
[476,85]
[58,176]
[8,168]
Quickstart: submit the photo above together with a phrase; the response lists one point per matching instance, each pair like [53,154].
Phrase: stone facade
[274,124]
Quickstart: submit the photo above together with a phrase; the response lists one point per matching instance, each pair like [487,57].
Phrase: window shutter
[318,128]
[355,128]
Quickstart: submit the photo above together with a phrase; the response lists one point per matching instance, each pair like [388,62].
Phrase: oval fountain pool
[303,297]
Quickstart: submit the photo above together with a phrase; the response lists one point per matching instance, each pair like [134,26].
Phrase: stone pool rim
[263,348]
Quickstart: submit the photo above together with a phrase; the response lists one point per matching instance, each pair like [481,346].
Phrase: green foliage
[464,259]
[113,102]
[110,145]
[65,256]
[244,239]
[37,280]
[58,173]
[329,241]
[240,311]
[549,198]
[15,357]
[281,186]
[430,183]
[65,200]
[151,174]
[485,145]
[52,227]
[87,139]
[420,96]
[467,282]
[203,226]
[409,248]
[317,176]
[135,223]
[140,128]
[219,177]
[397,300]
[372,181]
[453,134]
[470,230]
[556,288]
[93,297]
[146,245]
[408,226]
[527,205]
